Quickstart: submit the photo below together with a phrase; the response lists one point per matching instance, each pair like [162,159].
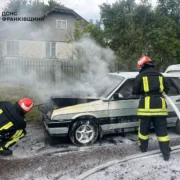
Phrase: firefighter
[150,84]
[13,123]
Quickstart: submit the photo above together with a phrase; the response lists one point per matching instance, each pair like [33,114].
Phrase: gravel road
[36,157]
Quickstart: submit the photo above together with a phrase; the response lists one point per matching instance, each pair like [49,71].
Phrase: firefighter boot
[5,151]
[143,150]
[143,145]
[166,157]
[165,150]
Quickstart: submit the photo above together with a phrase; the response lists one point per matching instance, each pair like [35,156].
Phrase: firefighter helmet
[26,105]
[143,60]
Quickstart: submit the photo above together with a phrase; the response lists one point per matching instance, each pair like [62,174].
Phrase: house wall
[51,33]
[32,38]
[2,46]
[32,49]
[37,50]
[63,51]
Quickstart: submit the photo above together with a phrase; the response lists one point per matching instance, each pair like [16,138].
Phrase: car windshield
[106,84]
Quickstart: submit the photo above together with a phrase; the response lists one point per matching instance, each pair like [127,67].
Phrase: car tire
[178,126]
[84,132]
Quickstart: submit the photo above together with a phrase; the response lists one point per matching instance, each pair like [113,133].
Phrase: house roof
[64,10]
[16,30]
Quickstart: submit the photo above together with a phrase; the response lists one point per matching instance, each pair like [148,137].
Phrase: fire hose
[38,105]
[168,99]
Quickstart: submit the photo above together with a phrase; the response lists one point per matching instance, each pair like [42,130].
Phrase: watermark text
[13,16]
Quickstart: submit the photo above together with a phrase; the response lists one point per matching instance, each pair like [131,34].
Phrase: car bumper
[56,128]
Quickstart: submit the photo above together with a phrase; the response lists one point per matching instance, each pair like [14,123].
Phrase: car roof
[173,67]
[125,74]
[129,75]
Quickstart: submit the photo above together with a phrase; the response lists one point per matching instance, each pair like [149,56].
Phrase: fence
[44,70]
[19,69]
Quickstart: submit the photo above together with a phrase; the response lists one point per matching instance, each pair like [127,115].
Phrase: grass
[13,93]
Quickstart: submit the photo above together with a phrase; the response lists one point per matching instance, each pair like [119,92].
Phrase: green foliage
[32,7]
[53,4]
[134,30]
[13,93]
[16,5]
[78,30]
[83,28]
[171,10]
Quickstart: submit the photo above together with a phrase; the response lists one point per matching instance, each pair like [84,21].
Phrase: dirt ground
[36,157]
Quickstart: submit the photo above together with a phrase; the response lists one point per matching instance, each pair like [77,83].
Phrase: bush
[13,93]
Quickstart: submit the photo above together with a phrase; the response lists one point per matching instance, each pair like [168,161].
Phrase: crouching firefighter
[13,123]
[150,84]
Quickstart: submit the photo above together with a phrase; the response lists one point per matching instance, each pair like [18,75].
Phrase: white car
[113,110]
[173,69]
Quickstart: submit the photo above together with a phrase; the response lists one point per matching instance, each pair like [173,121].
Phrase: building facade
[47,39]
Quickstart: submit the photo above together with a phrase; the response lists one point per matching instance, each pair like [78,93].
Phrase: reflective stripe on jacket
[11,116]
[150,84]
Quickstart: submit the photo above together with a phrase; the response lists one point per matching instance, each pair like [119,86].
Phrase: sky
[88,9]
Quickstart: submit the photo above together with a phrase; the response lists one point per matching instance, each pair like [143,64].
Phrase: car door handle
[178,100]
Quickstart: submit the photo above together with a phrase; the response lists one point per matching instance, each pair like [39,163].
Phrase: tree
[31,7]
[83,28]
[120,28]
[16,5]
[53,4]
[135,30]
[171,9]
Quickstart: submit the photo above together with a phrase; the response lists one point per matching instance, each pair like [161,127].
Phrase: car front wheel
[84,132]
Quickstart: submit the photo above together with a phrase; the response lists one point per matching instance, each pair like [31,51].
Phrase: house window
[12,48]
[50,49]
[61,24]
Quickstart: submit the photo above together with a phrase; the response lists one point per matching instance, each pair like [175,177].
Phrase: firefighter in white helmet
[13,123]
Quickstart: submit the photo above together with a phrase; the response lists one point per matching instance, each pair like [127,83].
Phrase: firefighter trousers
[9,138]
[160,126]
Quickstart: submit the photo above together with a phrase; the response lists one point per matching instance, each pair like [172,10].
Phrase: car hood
[80,108]
[60,102]
[66,101]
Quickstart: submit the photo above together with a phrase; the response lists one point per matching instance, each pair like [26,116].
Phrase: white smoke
[94,59]
[94,62]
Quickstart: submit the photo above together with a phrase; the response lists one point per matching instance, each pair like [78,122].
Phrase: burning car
[113,109]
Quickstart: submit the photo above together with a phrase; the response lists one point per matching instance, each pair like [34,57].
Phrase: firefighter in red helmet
[150,84]
[13,123]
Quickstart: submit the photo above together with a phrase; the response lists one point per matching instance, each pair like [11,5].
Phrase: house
[42,40]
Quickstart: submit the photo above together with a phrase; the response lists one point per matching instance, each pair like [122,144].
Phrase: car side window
[176,81]
[126,89]
[172,88]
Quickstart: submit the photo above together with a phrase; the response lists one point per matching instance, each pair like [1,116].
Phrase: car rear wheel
[84,132]
[178,126]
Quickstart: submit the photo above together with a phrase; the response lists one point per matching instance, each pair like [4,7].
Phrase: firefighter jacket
[11,116]
[150,84]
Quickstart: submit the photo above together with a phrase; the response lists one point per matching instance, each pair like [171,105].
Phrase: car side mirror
[118,96]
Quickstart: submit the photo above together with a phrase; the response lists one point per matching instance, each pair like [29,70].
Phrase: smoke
[24,29]
[93,61]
